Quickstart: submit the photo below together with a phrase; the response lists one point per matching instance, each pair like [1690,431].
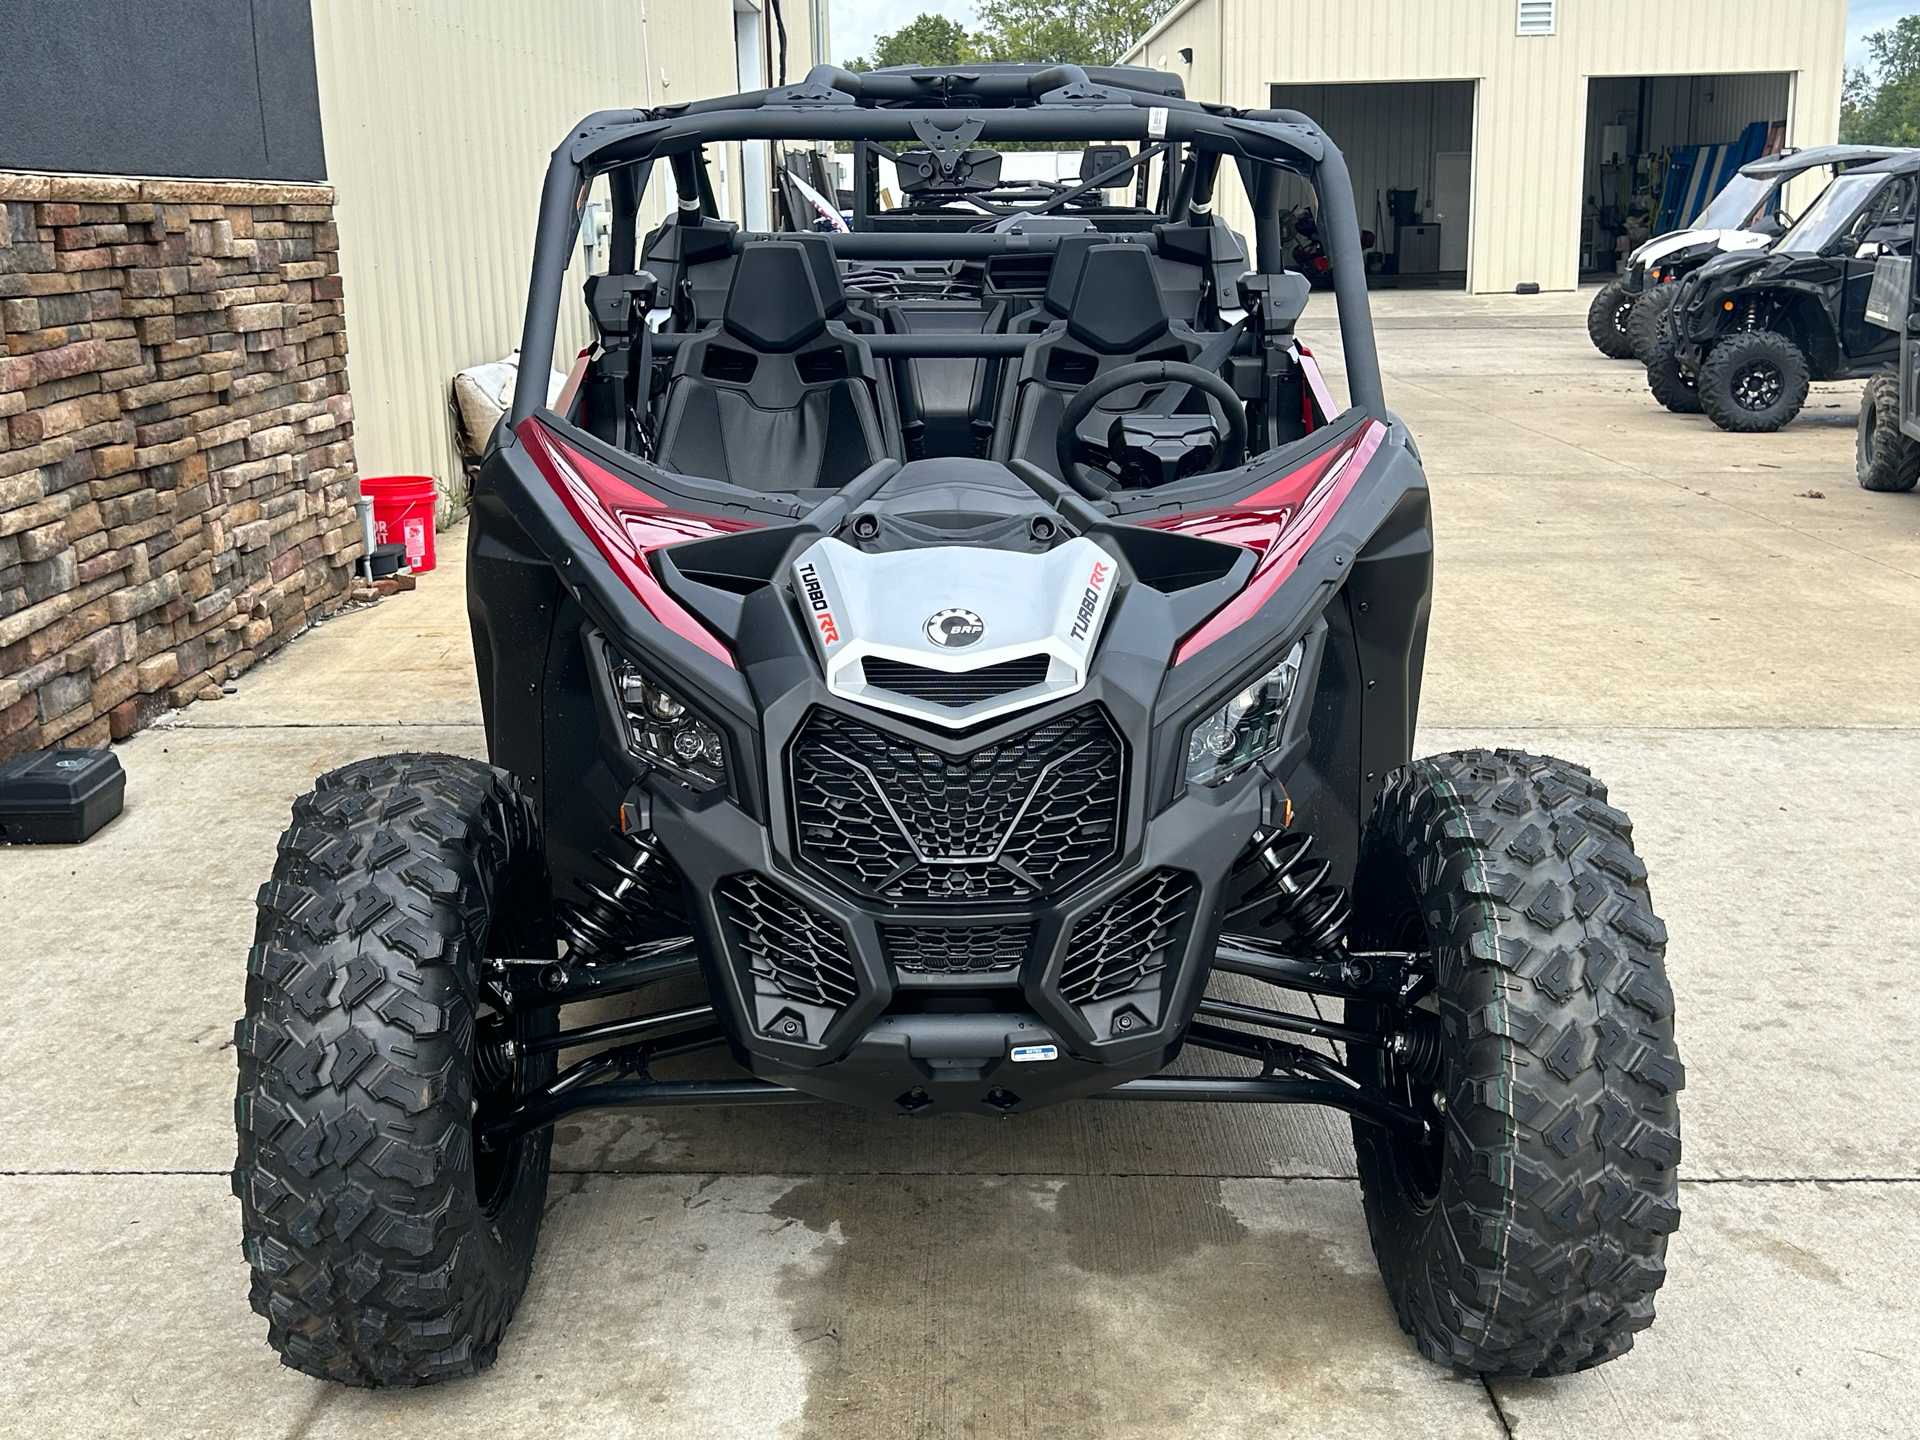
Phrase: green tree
[1078,32]
[924,40]
[1881,102]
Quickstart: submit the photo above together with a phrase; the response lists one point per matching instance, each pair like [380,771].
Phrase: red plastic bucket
[403,514]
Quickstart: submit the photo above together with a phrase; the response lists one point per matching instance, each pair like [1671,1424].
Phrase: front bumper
[993,1006]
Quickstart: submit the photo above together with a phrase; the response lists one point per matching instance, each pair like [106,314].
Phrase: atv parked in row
[951,644]
[1747,334]
[1887,438]
[1747,215]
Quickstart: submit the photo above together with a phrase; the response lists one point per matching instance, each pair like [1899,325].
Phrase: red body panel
[1279,524]
[626,525]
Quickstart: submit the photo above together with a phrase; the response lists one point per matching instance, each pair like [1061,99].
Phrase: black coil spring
[611,923]
[1296,888]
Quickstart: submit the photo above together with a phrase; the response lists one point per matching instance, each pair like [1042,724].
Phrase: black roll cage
[1012,103]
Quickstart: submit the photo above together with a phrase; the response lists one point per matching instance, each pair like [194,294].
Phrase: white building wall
[1531,116]
[439,117]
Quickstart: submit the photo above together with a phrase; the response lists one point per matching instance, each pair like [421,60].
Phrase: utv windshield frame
[1062,103]
[1833,213]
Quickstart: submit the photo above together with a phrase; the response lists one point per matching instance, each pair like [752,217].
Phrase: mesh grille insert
[956,949]
[969,687]
[790,945]
[1008,821]
[1130,937]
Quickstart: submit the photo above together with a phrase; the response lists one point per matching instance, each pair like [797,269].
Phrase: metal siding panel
[439,118]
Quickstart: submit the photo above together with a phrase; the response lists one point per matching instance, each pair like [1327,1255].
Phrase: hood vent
[955,689]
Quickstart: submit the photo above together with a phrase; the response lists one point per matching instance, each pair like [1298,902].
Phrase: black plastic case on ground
[59,797]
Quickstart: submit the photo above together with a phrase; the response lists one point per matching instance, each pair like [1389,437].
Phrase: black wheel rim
[503,1075]
[501,1080]
[1622,312]
[1419,1164]
[1758,385]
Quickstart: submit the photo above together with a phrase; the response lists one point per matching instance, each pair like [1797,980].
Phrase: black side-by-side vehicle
[1749,214]
[1748,333]
[948,663]
[1887,437]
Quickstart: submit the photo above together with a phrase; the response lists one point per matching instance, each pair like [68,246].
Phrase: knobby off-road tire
[1753,382]
[1648,320]
[1530,1237]
[1607,321]
[1671,385]
[1883,457]
[386,1248]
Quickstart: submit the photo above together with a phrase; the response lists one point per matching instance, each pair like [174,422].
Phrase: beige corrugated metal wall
[1530,124]
[439,118]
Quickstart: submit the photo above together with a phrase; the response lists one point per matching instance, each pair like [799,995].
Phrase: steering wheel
[1171,450]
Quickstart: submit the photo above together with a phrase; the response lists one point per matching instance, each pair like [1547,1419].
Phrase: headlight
[1247,728]
[662,731]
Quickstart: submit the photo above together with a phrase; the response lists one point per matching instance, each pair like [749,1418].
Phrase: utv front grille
[968,687]
[1132,936]
[786,944]
[1009,821]
[956,949]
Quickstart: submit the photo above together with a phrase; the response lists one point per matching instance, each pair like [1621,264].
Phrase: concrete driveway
[1725,628]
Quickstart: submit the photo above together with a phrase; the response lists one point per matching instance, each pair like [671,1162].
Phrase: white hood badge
[1048,611]
[954,627]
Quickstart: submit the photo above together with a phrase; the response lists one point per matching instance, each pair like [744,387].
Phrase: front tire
[1883,457]
[1648,320]
[1754,382]
[387,1247]
[1607,321]
[1671,385]
[1529,1237]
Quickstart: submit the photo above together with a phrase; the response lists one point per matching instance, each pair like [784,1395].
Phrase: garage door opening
[1409,148]
[1660,146]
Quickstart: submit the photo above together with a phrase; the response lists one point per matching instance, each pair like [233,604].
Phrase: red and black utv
[950,641]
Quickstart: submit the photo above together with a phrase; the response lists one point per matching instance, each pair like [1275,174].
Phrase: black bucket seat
[782,394]
[1116,316]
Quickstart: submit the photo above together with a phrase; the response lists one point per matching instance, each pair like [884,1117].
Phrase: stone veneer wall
[177,478]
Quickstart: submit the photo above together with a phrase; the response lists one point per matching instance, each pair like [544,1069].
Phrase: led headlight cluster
[1247,728]
[662,730]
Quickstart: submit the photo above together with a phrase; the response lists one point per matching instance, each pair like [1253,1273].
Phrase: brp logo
[953,627]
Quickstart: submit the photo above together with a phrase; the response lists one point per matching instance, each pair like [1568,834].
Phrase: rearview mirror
[1872,250]
[1098,158]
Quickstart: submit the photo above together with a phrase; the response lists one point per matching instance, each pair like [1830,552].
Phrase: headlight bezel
[1220,744]
[665,731]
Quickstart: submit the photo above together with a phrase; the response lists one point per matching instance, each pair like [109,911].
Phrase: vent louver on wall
[1536,17]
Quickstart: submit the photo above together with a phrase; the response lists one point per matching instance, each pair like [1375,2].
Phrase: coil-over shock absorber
[1300,893]
[609,925]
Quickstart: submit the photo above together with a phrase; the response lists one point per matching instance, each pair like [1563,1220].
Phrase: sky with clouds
[856,22]
[1866,16]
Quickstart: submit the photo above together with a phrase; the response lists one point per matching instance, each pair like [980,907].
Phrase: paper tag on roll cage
[1156,122]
